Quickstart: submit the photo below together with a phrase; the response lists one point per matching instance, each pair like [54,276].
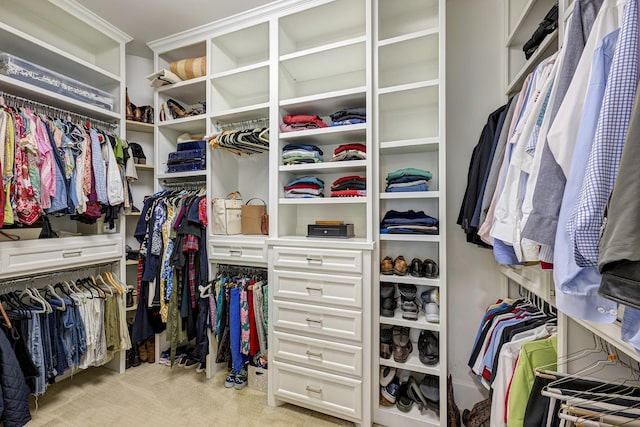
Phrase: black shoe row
[395,341]
[418,268]
[425,394]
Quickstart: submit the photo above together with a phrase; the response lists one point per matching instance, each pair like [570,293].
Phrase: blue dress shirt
[604,161]
[577,287]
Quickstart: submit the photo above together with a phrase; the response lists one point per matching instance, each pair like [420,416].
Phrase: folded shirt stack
[349,116]
[408,222]
[349,152]
[304,187]
[349,186]
[408,179]
[295,154]
[294,122]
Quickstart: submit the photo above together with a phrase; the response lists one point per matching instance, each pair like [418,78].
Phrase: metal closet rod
[244,124]
[19,101]
[231,268]
[98,268]
[184,185]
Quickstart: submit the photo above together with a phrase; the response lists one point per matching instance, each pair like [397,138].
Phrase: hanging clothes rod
[98,268]
[184,185]
[244,124]
[10,100]
[239,269]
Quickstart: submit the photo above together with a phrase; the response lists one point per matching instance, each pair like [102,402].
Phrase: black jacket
[15,393]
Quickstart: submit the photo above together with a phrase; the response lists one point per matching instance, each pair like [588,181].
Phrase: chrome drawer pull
[314,321]
[235,252]
[314,260]
[71,254]
[314,390]
[311,288]
[312,354]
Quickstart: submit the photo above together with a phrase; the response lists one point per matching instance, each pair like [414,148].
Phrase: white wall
[140,93]
[474,89]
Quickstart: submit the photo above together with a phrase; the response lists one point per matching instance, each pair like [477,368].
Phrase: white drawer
[314,319]
[242,251]
[318,288]
[34,256]
[315,353]
[329,394]
[342,261]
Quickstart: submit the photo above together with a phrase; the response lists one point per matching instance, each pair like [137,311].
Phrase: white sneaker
[432,312]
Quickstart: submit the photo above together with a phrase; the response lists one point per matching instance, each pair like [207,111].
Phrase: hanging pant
[239,360]
[261,321]
[202,340]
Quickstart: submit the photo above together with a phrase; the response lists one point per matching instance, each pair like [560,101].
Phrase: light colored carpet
[156,395]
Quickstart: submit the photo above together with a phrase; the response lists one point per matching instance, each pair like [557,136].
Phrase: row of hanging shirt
[240,316]
[55,166]
[514,338]
[547,163]
[69,325]
[173,263]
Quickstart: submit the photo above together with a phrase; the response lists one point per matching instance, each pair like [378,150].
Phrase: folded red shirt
[345,147]
[291,119]
[348,178]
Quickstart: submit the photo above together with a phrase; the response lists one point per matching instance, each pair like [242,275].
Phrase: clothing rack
[184,185]
[10,100]
[244,124]
[239,269]
[7,285]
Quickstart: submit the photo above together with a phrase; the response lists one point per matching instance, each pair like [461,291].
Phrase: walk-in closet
[319,212]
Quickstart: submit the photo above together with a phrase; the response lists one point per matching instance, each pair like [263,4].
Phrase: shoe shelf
[139,126]
[194,124]
[390,415]
[394,278]
[189,91]
[420,323]
[131,261]
[412,364]
[145,167]
[133,214]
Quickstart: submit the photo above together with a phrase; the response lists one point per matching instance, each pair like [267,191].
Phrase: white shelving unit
[91,51]
[410,89]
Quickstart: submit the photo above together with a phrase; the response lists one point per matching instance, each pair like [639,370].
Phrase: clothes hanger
[44,301]
[50,290]
[92,283]
[104,285]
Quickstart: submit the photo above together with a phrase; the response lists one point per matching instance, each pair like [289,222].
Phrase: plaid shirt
[585,223]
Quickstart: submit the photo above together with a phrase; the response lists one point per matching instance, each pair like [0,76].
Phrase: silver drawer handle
[312,354]
[314,390]
[314,260]
[235,252]
[71,254]
[311,288]
[314,321]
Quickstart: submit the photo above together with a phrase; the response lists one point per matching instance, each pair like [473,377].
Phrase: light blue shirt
[99,170]
[610,135]
[577,287]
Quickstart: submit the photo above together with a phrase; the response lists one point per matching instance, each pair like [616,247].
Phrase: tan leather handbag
[254,218]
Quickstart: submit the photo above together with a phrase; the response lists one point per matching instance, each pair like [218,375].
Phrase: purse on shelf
[227,214]
[254,218]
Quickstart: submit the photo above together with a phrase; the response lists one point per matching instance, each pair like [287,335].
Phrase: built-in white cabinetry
[409,132]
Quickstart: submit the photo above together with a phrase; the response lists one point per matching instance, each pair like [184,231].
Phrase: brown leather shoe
[142,350]
[151,350]
[400,266]
[386,266]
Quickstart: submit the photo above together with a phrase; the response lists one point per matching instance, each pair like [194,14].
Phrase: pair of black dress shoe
[427,268]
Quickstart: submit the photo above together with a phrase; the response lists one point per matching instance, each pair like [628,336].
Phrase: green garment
[534,354]
[118,151]
[300,159]
[111,323]
[409,171]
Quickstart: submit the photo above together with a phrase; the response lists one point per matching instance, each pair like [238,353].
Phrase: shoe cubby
[409,114]
[330,23]
[413,411]
[414,16]
[325,70]
[240,49]
[397,68]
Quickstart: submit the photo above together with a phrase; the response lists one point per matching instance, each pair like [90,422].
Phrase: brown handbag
[254,217]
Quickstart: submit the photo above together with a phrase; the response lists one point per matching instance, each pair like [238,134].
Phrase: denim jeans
[239,360]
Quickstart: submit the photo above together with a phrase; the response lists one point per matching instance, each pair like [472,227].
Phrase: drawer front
[313,319]
[330,394]
[318,288]
[341,358]
[37,256]
[229,253]
[341,261]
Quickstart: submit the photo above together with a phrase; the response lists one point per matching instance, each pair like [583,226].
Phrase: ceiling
[147,20]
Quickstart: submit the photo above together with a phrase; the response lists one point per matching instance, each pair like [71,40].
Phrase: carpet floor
[156,395]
